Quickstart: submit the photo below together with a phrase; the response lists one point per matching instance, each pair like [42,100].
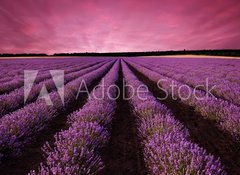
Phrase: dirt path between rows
[32,154]
[123,154]
[202,131]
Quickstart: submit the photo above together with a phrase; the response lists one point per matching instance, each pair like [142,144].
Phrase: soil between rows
[202,89]
[123,154]
[32,154]
[202,131]
[49,89]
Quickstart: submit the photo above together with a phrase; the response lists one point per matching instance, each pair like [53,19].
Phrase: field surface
[135,115]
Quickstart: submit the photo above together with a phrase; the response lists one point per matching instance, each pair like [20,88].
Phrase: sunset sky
[50,26]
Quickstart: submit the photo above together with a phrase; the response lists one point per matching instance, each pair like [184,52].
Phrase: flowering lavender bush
[225,114]
[166,146]
[76,149]
[14,100]
[165,143]
[14,79]
[225,79]
[18,127]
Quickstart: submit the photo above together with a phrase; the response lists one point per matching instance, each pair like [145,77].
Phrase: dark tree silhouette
[224,52]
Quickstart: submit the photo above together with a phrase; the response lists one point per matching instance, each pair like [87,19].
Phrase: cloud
[124,25]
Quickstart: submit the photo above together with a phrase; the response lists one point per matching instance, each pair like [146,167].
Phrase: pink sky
[125,25]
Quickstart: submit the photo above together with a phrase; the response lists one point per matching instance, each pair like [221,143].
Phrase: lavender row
[13,70]
[75,150]
[19,82]
[223,87]
[166,145]
[216,69]
[224,114]
[44,75]
[16,72]
[15,100]
[15,67]
[19,127]
[11,73]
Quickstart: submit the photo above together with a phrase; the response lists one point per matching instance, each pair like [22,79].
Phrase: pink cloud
[127,25]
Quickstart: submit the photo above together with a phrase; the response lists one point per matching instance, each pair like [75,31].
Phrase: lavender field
[134,115]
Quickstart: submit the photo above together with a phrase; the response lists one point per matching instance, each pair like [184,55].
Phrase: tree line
[226,52]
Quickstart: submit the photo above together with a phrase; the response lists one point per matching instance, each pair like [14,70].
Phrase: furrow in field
[11,74]
[123,154]
[17,83]
[202,131]
[17,129]
[88,132]
[230,91]
[15,100]
[224,114]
